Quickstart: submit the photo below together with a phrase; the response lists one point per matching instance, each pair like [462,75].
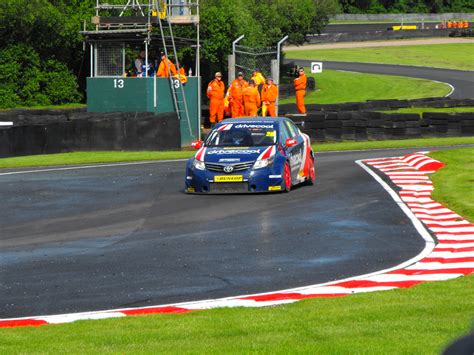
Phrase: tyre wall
[361,126]
[57,131]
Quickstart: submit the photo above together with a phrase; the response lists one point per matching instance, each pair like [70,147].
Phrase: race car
[243,155]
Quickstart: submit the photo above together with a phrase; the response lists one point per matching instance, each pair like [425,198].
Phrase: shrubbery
[28,81]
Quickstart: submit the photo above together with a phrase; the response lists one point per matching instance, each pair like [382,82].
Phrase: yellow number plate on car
[229,178]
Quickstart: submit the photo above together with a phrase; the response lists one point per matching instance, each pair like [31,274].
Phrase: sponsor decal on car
[225,127]
[233,151]
[200,154]
[228,178]
[254,126]
[274,188]
[274,176]
[228,160]
[267,153]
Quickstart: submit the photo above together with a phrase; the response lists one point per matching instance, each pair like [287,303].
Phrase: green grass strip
[452,55]
[120,157]
[337,87]
[455,182]
[50,107]
[421,110]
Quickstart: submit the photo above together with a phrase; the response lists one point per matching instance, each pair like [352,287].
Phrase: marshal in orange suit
[215,93]
[235,96]
[251,99]
[269,97]
[300,89]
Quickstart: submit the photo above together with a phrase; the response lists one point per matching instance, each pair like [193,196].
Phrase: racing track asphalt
[126,235]
[462,81]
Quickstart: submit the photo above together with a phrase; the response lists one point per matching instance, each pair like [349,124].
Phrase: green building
[126,46]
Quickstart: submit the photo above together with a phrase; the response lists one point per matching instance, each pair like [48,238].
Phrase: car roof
[254,120]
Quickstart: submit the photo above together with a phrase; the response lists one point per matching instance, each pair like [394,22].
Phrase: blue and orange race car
[242,155]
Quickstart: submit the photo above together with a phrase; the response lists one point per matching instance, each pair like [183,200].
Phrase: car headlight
[263,163]
[199,164]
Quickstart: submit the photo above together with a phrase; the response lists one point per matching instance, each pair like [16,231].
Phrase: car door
[295,153]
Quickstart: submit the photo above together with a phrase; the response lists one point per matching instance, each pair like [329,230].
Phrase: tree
[27,81]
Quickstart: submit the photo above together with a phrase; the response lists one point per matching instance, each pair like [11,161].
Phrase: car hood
[233,155]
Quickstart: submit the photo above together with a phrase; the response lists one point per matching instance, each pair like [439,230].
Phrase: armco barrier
[34,133]
[359,126]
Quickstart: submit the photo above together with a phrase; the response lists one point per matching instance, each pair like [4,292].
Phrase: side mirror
[196,144]
[290,142]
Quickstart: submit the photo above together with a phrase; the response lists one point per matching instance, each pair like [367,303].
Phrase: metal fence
[248,59]
[110,59]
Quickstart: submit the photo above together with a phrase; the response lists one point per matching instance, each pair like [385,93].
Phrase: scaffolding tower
[126,31]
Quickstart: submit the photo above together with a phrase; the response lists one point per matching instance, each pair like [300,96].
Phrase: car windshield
[243,135]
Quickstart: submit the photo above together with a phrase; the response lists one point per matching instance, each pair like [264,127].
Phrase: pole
[278,61]
[233,53]
[146,58]
[198,72]
[92,60]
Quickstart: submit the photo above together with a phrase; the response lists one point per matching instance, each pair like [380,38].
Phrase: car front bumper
[267,179]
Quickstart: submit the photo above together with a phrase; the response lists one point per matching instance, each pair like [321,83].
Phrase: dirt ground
[368,44]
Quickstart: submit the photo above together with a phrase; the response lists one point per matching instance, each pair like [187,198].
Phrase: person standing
[215,93]
[140,64]
[300,90]
[269,97]
[166,67]
[259,79]
[251,99]
[235,95]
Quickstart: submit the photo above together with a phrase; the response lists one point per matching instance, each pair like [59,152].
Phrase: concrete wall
[57,131]
[137,95]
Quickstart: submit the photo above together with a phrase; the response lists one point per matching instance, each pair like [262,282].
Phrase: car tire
[286,177]
[312,174]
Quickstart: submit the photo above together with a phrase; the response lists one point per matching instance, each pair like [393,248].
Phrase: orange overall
[251,101]
[236,98]
[269,97]
[300,89]
[215,93]
[163,68]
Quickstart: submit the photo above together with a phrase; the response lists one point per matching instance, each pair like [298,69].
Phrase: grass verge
[120,157]
[433,55]
[419,320]
[337,86]
[455,182]
[52,107]
[421,110]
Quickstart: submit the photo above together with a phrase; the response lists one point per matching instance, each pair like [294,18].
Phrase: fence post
[233,54]
[231,65]
[278,67]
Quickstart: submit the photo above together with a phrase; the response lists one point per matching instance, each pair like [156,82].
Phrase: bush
[26,81]
[60,85]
